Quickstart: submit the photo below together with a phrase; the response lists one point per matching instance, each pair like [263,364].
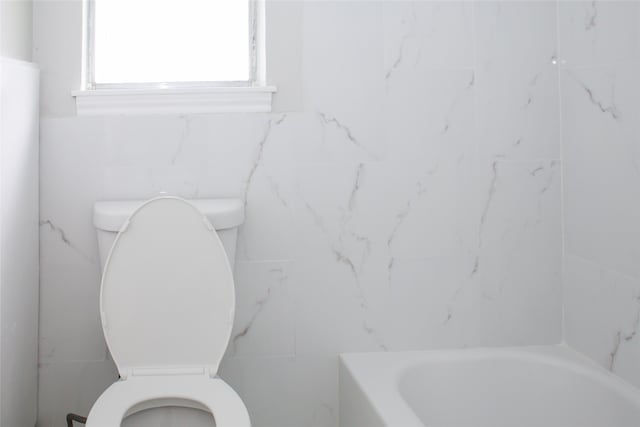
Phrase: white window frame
[253,95]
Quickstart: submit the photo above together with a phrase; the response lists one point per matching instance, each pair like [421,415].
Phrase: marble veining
[260,150]
[356,187]
[327,120]
[622,337]
[460,97]
[600,95]
[485,211]
[410,34]
[62,235]
[348,216]
[185,135]
[532,84]
[399,220]
[551,176]
[339,254]
[259,305]
[611,109]
[321,412]
[591,16]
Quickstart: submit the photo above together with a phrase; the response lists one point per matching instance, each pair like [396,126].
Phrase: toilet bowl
[167,304]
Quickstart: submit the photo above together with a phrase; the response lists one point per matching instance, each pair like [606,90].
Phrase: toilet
[167,305]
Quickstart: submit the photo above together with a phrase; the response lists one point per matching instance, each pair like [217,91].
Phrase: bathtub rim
[381,387]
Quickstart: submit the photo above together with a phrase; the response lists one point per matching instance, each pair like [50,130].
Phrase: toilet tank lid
[222,213]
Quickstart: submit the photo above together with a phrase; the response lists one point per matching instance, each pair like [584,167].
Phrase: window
[192,48]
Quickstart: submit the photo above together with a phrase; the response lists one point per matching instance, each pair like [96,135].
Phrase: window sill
[174,100]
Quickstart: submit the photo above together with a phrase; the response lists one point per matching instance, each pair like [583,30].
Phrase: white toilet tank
[224,214]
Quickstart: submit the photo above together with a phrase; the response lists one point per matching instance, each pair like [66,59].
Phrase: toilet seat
[167,303]
[138,393]
[167,296]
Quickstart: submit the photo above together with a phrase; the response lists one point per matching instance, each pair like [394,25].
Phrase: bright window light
[170,41]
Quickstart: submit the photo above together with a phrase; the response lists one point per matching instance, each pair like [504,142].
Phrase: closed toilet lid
[167,295]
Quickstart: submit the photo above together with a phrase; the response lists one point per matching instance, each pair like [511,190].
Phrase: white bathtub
[517,387]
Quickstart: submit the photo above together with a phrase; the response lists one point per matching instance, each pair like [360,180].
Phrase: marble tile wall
[413,201]
[599,51]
